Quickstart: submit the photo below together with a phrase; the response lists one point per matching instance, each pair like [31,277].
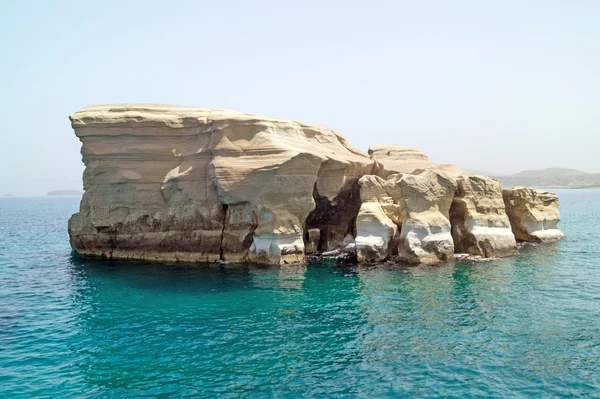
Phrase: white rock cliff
[533,214]
[192,184]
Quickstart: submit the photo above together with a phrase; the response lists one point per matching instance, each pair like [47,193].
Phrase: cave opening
[335,218]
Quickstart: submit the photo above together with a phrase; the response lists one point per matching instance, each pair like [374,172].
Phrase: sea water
[527,326]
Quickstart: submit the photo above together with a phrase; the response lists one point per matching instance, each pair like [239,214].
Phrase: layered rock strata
[480,226]
[425,201]
[533,214]
[393,159]
[413,207]
[192,184]
[377,222]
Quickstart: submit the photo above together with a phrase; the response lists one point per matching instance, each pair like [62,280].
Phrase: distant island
[8,195]
[551,178]
[65,192]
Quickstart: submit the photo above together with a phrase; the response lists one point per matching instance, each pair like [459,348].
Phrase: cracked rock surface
[195,184]
[533,214]
[172,183]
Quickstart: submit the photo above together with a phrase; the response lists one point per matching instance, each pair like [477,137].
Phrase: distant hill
[484,173]
[551,178]
[65,192]
[552,172]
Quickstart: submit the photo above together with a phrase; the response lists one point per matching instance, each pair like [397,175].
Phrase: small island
[65,192]
[235,187]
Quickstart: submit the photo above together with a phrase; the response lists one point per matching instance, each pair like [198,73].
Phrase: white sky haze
[499,86]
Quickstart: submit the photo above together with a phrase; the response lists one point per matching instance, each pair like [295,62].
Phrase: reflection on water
[217,326]
[522,326]
[419,328]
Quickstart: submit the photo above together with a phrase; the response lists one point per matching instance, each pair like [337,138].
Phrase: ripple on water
[523,326]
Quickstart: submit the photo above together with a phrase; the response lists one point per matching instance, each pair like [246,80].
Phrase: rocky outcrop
[392,159]
[533,214]
[378,220]
[193,184]
[425,201]
[480,226]
[415,205]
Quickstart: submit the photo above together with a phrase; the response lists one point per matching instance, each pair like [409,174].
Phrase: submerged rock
[533,214]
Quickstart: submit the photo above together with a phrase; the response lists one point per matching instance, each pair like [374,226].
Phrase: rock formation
[392,159]
[480,226]
[415,205]
[193,184]
[425,202]
[377,221]
[533,214]
[438,211]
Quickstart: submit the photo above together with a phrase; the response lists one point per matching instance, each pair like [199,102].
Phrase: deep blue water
[521,327]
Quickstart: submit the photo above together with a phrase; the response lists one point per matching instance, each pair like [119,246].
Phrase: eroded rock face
[533,214]
[480,226]
[377,221]
[194,184]
[393,159]
[425,201]
[428,216]
[415,205]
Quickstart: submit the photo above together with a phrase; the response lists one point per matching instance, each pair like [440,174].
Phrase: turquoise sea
[527,326]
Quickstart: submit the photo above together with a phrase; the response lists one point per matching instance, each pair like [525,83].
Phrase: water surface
[527,326]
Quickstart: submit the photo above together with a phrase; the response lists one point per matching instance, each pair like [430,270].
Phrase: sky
[496,86]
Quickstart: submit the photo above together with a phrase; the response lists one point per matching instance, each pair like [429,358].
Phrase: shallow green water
[526,326]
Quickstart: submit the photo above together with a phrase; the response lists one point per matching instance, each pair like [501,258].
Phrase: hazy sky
[497,86]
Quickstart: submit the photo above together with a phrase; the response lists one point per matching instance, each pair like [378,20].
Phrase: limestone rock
[425,201]
[398,159]
[533,214]
[417,205]
[193,184]
[480,226]
[392,159]
[184,183]
[376,228]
